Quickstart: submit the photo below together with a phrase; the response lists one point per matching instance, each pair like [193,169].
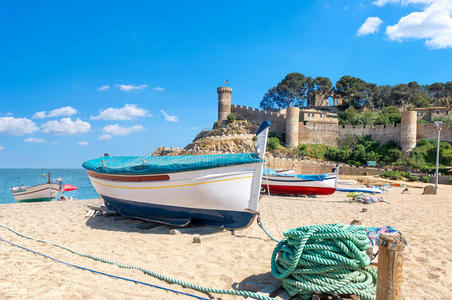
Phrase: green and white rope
[325,258]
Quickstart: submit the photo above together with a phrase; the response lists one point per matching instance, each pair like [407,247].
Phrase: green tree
[291,91]
[354,91]
[323,89]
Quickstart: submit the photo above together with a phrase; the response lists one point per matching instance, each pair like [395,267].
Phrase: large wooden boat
[216,190]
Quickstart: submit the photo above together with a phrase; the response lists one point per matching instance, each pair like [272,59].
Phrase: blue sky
[166,58]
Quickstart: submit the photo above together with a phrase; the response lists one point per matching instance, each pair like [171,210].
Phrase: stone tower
[224,102]
[408,132]
[292,120]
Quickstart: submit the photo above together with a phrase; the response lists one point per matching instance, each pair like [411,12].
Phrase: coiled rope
[148,272]
[325,258]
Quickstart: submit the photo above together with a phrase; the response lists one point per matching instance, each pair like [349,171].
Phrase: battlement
[245,109]
[224,89]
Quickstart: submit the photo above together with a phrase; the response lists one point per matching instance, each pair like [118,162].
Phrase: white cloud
[104,137]
[34,140]
[103,88]
[381,3]
[66,126]
[127,112]
[17,126]
[131,87]
[116,129]
[158,89]
[370,26]
[433,23]
[169,118]
[1,148]
[58,112]
[83,143]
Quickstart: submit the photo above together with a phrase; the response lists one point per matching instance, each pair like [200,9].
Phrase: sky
[82,78]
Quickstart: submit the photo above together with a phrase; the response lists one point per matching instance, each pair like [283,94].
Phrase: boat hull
[221,197]
[179,216]
[37,193]
[287,185]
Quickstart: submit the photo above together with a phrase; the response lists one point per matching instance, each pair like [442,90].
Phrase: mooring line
[99,272]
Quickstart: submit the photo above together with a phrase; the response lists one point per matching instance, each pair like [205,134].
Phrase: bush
[394,175]
[273,143]
[410,177]
[425,179]
[400,175]
[449,180]
[312,150]
[231,117]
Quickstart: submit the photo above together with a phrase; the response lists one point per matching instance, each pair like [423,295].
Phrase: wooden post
[390,262]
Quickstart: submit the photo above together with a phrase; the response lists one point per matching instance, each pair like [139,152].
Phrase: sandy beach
[225,262]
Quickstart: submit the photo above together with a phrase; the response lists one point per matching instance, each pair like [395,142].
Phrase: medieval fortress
[320,125]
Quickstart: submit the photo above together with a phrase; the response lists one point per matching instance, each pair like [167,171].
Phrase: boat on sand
[217,190]
[288,183]
[36,193]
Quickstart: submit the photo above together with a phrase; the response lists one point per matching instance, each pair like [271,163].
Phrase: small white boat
[215,190]
[288,183]
[36,193]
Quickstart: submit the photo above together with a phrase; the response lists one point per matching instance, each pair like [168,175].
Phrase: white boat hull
[290,185]
[224,196]
[41,192]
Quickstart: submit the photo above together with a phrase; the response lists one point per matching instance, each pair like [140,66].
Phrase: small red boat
[286,183]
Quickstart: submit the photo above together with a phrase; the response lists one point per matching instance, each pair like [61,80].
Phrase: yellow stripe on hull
[168,186]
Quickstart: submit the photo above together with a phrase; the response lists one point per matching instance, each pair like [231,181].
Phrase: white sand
[222,263]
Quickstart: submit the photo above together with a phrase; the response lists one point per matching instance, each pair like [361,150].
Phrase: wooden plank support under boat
[198,238]
[101,208]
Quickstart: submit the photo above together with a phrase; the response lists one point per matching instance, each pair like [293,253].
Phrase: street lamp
[437,126]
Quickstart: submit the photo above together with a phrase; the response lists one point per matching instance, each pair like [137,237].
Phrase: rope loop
[327,258]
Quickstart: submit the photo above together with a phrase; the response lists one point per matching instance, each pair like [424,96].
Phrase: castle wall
[428,131]
[256,116]
[334,135]
[311,133]
[380,133]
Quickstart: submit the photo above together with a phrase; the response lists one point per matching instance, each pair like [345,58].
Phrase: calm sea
[15,177]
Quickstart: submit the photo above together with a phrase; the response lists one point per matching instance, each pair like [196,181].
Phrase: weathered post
[390,263]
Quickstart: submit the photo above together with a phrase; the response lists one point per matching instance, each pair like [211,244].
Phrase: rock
[429,190]
[355,222]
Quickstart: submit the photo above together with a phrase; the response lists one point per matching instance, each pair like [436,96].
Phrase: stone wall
[310,133]
[310,166]
[380,133]
[257,116]
[427,131]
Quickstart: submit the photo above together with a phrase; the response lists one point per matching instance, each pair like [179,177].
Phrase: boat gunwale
[21,192]
[128,177]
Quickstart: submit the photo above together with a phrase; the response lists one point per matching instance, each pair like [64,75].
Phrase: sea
[15,177]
